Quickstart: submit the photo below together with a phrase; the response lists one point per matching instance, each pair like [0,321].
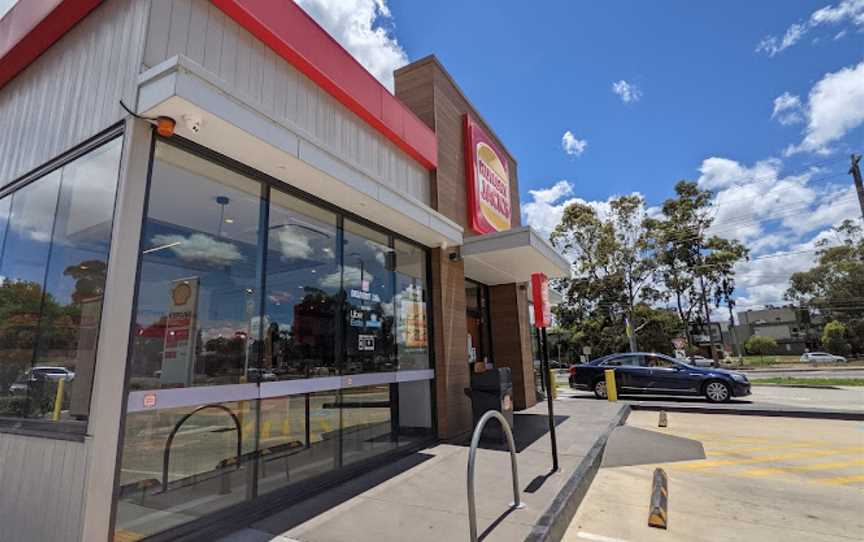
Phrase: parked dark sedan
[656,374]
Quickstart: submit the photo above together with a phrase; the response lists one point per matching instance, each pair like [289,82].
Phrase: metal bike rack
[166,454]
[475,440]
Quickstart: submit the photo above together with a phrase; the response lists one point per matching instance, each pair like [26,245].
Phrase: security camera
[193,123]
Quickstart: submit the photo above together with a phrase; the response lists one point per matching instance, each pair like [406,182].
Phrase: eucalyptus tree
[614,265]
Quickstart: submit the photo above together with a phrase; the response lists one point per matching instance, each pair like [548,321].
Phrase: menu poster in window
[178,355]
[413,317]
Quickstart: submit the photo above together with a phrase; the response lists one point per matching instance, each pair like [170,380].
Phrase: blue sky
[761,102]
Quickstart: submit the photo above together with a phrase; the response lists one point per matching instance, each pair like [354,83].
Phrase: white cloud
[293,244]
[851,11]
[771,45]
[628,92]
[571,145]
[723,172]
[547,205]
[199,247]
[350,274]
[359,26]
[787,109]
[835,107]
[779,218]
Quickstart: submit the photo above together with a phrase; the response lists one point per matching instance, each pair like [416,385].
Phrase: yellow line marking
[766,458]
[842,480]
[733,451]
[770,471]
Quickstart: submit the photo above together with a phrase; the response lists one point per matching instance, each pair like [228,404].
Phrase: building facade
[791,327]
[233,266]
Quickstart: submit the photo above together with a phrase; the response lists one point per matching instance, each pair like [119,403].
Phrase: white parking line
[597,537]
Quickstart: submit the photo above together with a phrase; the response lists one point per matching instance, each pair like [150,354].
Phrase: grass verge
[810,381]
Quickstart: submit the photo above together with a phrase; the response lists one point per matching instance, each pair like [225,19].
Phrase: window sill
[75,432]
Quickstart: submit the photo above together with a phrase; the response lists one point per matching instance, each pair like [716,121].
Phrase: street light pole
[855,171]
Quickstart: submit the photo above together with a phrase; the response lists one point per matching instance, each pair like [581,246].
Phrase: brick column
[450,346]
[511,340]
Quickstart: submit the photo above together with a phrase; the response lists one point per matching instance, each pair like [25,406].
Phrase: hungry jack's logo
[488,181]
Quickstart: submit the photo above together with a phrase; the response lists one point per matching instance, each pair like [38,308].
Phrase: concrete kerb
[768,412]
[552,525]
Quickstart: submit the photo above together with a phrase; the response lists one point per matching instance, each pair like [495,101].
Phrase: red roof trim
[295,36]
[32,26]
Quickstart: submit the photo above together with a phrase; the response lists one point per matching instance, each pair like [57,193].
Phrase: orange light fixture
[165,126]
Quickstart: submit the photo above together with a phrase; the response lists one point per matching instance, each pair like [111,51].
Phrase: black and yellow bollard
[658,514]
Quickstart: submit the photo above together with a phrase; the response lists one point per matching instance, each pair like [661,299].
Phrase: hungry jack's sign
[489,208]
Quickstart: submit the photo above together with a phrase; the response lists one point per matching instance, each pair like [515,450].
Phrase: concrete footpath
[423,497]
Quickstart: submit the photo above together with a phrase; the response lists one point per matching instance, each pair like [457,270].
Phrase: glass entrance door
[477,318]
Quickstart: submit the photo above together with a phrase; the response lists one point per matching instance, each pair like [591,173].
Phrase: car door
[631,372]
[669,376]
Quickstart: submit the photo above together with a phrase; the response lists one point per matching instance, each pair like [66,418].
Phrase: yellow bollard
[553,384]
[611,390]
[58,399]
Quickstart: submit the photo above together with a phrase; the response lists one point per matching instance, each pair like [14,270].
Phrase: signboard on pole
[540,293]
[178,354]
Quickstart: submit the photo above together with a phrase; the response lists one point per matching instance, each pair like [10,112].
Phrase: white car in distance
[821,357]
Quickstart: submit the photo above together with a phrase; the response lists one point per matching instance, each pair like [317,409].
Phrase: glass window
[412,325]
[629,360]
[367,422]
[204,471]
[197,320]
[367,277]
[227,298]
[54,247]
[657,361]
[303,285]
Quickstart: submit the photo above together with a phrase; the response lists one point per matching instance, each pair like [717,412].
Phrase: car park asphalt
[767,479]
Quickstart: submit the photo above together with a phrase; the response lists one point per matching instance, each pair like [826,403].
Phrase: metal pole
[855,171]
[546,374]
[472,453]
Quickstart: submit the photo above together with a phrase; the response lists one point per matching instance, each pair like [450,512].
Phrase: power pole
[855,171]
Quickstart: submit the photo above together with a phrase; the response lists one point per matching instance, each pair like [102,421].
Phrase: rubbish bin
[492,390]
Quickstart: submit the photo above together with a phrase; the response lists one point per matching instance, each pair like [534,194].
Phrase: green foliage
[693,266]
[834,287]
[834,338]
[760,345]
[628,265]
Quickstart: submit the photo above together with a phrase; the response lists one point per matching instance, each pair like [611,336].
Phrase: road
[767,479]
[846,398]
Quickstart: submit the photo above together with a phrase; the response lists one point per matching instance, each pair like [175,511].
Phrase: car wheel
[717,392]
[600,389]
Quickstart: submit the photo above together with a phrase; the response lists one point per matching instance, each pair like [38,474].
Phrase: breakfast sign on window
[488,174]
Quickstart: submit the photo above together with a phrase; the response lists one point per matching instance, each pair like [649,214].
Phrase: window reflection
[368,283]
[203,471]
[303,286]
[367,422]
[198,295]
[53,258]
